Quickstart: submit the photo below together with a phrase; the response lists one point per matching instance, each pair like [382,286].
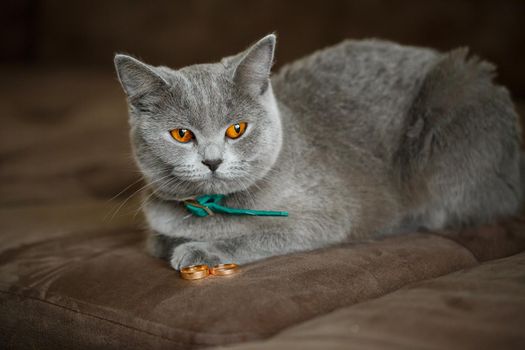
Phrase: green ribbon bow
[209,204]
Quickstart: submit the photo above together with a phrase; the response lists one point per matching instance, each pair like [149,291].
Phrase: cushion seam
[459,245]
[476,262]
[258,336]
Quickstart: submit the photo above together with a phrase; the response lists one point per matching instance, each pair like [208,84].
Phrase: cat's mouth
[217,175]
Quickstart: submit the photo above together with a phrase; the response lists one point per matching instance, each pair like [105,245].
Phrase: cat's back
[363,87]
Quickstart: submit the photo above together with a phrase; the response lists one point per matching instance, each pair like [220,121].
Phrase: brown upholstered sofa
[74,274]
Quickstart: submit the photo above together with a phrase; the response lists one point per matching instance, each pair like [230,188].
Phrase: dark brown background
[177,33]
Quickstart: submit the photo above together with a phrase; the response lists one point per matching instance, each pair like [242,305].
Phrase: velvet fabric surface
[100,288]
[477,308]
[74,272]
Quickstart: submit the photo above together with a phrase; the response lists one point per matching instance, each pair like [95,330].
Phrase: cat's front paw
[197,253]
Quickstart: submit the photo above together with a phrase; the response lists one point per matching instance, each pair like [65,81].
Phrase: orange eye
[182,135]
[236,130]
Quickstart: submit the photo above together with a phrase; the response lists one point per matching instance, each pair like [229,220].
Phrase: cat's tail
[462,134]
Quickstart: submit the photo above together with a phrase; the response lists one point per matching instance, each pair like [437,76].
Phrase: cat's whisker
[147,185]
[126,188]
[148,197]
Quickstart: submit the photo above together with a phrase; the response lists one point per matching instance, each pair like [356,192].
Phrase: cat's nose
[213,164]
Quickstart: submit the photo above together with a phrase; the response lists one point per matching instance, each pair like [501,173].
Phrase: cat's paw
[197,253]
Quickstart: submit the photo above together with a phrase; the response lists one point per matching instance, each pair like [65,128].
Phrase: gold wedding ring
[223,269]
[194,272]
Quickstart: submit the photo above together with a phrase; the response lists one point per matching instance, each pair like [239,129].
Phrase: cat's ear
[137,78]
[253,70]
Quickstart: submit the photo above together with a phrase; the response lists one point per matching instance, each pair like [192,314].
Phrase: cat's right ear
[137,78]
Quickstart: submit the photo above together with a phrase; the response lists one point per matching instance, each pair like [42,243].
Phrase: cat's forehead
[206,78]
[205,94]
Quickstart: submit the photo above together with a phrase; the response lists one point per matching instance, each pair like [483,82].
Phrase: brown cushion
[100,288]
[478,308]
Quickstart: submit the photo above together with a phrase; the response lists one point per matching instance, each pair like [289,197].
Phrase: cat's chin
[210,185]
[219,185]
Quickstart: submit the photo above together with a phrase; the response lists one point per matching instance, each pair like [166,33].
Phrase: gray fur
[363,138]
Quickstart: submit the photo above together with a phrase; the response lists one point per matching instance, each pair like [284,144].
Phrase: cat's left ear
[253,71]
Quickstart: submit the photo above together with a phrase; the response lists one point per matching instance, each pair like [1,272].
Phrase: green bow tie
[209,204]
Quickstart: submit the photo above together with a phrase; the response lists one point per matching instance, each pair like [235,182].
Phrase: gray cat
[363,138]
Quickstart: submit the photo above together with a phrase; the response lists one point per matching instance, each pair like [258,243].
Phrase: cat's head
[207,128]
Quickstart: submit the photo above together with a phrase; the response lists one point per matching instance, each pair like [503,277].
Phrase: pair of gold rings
[196,272]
